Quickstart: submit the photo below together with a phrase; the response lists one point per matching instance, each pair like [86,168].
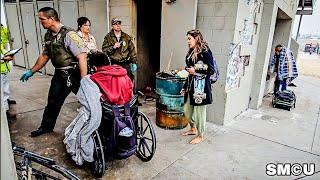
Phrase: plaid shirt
[287,65]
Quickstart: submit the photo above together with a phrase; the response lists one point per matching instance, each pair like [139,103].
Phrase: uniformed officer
[65,49]
[120,48]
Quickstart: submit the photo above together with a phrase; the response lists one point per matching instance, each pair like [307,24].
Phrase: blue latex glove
[26,75]
[133,67]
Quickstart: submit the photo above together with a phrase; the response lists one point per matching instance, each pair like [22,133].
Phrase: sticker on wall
[249,23]
[246,60]
[234,66]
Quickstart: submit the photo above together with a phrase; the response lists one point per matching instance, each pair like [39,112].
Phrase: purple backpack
[124,134]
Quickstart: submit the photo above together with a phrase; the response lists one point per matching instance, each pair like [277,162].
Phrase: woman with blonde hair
[201,66]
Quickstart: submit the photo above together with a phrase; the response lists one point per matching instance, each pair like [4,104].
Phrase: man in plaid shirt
[285,67]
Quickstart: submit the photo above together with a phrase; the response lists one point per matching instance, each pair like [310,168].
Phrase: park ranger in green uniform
[119,47]
[65,49]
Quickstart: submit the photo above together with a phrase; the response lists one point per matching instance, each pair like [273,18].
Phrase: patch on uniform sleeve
[76,39]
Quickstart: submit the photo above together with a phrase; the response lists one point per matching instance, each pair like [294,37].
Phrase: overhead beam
[304,12]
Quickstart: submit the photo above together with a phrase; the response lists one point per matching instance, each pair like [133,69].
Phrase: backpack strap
[127,109]
[116,111]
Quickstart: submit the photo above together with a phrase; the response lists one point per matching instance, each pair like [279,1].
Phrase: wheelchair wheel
[146,138]
[98,165]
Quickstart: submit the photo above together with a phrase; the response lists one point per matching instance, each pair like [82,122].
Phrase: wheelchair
[144,131]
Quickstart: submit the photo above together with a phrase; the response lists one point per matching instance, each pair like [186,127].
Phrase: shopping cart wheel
[146,138]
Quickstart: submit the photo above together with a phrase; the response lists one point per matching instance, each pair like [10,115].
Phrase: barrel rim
[169,78]
[169,95]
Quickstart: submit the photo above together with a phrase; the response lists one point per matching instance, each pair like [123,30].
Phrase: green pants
[196,116]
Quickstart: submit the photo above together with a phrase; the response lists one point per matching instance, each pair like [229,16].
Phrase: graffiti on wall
[236,64]
[249,22]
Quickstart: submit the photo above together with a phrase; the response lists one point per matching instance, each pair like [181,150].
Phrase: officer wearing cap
[120,48]
[65,49]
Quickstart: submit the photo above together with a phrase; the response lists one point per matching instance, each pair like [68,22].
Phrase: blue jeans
[280,84]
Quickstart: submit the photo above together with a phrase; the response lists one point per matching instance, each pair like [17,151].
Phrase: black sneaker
[10,101]
[293,85]
[39,132]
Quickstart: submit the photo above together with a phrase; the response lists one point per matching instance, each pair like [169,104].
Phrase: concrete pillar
[216,20]
[294,47]
[8,168]
[269,15]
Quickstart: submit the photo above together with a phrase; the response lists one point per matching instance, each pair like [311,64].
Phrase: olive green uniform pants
[196,116]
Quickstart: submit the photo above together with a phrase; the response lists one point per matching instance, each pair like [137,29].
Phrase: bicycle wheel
[43,172]
[31,164]
[38,174]
[146,138]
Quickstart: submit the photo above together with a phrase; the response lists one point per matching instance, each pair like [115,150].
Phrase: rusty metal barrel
[169,113]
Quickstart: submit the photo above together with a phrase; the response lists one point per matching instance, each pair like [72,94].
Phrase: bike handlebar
[47,162]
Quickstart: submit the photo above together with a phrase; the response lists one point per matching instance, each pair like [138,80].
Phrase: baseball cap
[115,20]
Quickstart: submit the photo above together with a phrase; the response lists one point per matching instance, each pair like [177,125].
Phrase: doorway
[281,35]
[148,41]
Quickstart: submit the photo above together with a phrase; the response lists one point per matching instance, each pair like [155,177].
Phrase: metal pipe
[298,27]
[302,4]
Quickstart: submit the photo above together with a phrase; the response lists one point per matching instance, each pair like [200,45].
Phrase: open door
[148,41]
[30,31]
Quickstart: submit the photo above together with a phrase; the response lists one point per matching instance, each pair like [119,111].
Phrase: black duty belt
[67,70]
[72,66]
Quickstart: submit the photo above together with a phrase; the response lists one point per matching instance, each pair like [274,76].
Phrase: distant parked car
[310,48]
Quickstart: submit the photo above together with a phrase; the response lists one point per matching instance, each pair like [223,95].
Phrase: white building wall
[8,168]
[176,19]
[238,99]
[122,9]
[216,20]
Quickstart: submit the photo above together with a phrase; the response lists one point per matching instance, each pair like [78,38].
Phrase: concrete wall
[269,15]
[176,19]
[238,99]
[294,46]
[216,20]
[123,10]
[8,169]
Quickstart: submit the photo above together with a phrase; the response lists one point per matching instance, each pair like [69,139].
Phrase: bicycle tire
[46,162]
[35,172]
